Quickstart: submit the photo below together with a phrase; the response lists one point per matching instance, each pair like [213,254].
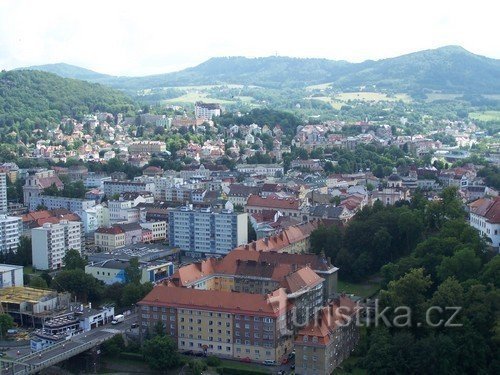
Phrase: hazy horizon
[130,38]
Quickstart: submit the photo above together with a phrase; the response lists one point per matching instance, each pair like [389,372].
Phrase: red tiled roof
[110,230]
[256,304]
[273,202]
[488,208]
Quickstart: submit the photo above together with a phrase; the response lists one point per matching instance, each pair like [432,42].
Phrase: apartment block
[94,218]
[147,147]
[204,231]
[51,203]
[3,193]
[109,238]
[158,229]
[118,187]
[226,324]
[10,231]
[325,342]
[51,242]
[206,110]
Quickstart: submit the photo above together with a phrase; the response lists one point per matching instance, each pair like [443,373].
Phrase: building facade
[3,193]
[11,275]
[10,230]
[118,187]
[207,110]
[485,217]
[51,242]
[75,205]
[205,231]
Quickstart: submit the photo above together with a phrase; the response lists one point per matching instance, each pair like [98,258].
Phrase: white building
[10,231]
[485,217]
[206,110]
[260,169]
[3,193]
[51,242]
[157,228]
[205,231]
[95,217]
[118,187]
[75,205]
[95,180]
[11,275]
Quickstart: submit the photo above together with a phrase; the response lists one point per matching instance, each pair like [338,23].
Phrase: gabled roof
[487,208]
[274,202]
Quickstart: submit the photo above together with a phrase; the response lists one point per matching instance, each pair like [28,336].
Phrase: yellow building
[109,238]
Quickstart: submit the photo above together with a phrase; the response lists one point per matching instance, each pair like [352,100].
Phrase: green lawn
[372,97]
[321,86]
[336,104]
[485,116]
[243,365]
[364,289]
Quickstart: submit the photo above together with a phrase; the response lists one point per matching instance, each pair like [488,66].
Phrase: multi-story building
[37,181]
[485,217]
[75,205]
[95,217]
[10,231]
[11,275]
[109,238]
[3,193]
[147,147]
[287,206]
[206,110]
[260,169]
[118,187]
[158,229]
[205,231]
[51,242]
[96,180]
[325,342]
[237,325]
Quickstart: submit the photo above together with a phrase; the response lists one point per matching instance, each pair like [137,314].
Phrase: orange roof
[488,208]
[273,304]
[111,230]
[305,277]
[337,313]
[273,202]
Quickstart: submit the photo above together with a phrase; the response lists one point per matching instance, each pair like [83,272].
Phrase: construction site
[30,307]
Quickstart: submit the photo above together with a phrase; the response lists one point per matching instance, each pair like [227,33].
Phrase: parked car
[269,362]
[246,359]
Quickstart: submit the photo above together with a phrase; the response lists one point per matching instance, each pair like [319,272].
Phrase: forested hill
[70,71]
[447,69]
[42,97]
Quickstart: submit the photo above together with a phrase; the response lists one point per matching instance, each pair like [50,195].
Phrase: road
[77,344]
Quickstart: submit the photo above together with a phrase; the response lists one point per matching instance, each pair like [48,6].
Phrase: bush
[213,361]
[230,370]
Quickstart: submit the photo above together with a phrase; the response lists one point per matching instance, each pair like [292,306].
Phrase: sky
[130,37]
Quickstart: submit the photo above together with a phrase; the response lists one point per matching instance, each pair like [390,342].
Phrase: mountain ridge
[447,69]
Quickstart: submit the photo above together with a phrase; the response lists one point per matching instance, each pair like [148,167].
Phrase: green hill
[43,97]
[448,69]
[70,71]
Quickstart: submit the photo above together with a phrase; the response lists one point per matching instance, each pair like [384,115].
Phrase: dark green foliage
[491,175]
[21,257]
[6,322]
[37,282]
[133,272]
[73,260]
[71,190]
[160,353]
[213,361]
[227,369]
[44,98]
[114,346]
[85,287]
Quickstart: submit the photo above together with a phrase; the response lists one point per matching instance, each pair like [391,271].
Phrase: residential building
[260,169]
[147,147]
[76,205]
[10,231]
[118,187]
[238,194]
[206,110]
[324,343]
[204,231]
[132,231]
[287,206]
[158,229]
[485,217]
[109,238]
[3,193]
[11,276]
[96,180]
[94,218]
[51,242]
[113,270]
[237,325]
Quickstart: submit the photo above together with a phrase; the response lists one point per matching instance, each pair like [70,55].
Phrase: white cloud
[146,37]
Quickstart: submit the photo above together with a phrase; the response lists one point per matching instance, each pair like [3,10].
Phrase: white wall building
[75,205]
[51,242]
[206,110]
[11,275]
[158,229]
[3,193]
[485,217]
[118,187]
[10,231]
[95,217]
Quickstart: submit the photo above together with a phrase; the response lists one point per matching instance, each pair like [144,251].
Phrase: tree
[73,260]
[6,322]
[133,273]
[23,254]
[38,282]
[464,264]
[160,353]
[132,293]
[114,346]
[85,287]
[197,367]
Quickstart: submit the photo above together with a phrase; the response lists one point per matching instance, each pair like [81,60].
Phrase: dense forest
[33,99]
[427,255]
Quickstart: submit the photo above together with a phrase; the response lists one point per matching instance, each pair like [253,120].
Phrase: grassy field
[372,97]
[485,116]
[336,104]
[321,86]
[192,97]
[365,289]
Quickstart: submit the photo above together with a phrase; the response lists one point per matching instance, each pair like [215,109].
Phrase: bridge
[37,361]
